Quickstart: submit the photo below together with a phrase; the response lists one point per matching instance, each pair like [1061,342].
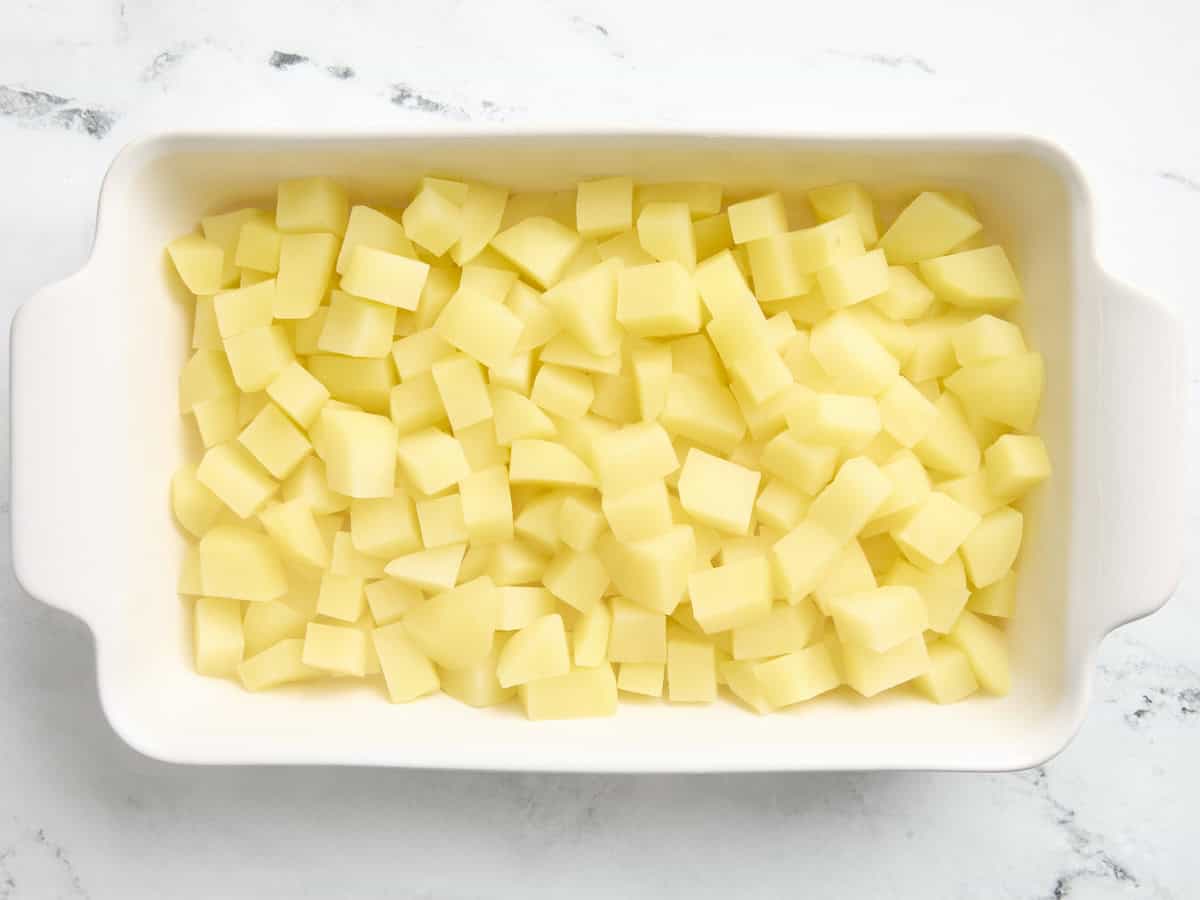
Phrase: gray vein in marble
[594,30]
[341,73]
[1159,689]
[281,60]
[41,109]
[41,862]
[165,62]
[1179,178]
[890,61]
[406,97]
[1090,859]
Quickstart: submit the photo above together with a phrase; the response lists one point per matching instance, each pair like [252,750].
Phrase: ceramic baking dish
[96,436]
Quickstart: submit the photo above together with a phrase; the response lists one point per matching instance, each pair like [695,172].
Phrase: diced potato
[985,648]
[441,520]
[1015,464]
[589,639]
[980,279]
[298,394]
[429,570]
[564,350]
[998,599]
[846,199]
[731,595]
[645,679]
[206,335]
[991,549]
[604,206]
[943,588]
[949,446]
[275,441]
[189,583]
[579,522]
[522,605]
[196,508]
[723,288]
[237,478]
[636,634]
[306,263]
[851,355]
[910,487]
[1006,390]
[538,522]
[266,624]
[850,501]
[257,356]
[906,296]
[577,578]
[482,328]
[780,505]
[933,347]
[341,597]
[712,235]
[431,460]
[585,306]
[217,636]
[240,310]
[638,513]
[937,529]
[797,676]
[801,557]
[848,573]
[199,262]
[346,560]
[986,338]
[515,375]
[340,649]
[817,248]
[949,678]
[384,527]
[487,506]
[929,226]
[651,572]
[869,672]
[407,672]
[455,628]
[665,232]
[805,466]
[784,629]
[905,413]
[718,493]
[389,600]
[777,271]
[580,693]
[880,619]
[242,564]
[691,668]
[625,247]
[616,398]
[433,221]
[547,462]
[482,212]
[294,530]
[657,300]
[515,562]
[359,451]
[279,664]
[846,282]
[632,456]
[973,492]
[757,218]
[562,391]
[539,650]
[703,411]
[308,482]
[312,204]
[540,247]
[703,198]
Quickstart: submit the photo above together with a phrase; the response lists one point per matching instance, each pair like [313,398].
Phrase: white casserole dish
[96,435]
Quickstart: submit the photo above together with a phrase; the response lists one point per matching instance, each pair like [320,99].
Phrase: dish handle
[1141,435]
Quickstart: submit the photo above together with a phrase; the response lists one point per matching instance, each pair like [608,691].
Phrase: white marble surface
[81,815]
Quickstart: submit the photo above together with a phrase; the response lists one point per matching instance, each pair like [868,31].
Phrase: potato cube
[258,245]
[487,506]
[564,350]
[604,206]
[848,573]
[937,529]
[294,530]
[455,628]
[718,493]
[636,634]
[638,513]
[784,629]
[757,218]
[482,212]
[407,672]
[442,521]
[579,521]
[266,624]
[980,279]
[257,356]
[389,600]
[731,595]
[739,677]
[217,636]
[846,282]
[357,327]
[242,564]
[880,619]
[476,685]
[416,354]
[984,646]
[691,668]
[797,677]
[712,235]
[998,599]
[206,335]
[199,262]
[852,356]
[189,583]
[347,560]
[905,413]
[196,508]
[845,421]
[703,411]
[279,664]
[390,279]
[462,391]
[991,549]
[760,376]
[368,227]
[540,247]
[846,199]
[480,327]
[577,578]
[973,492]
[805,466]
[850,501]
[538,522]
[312,204]
[240,310]
[821,246]
[298,394]
[723,288]
[949,446]
[651,572]
[1015,463]
[910,487]
[869,672]
[547,462]
[237,478]
[430,570]
[515,562]
[433,221]
[539,650]
[633,456]
[932,354]
[589,639]
[645,679]
[651,369]
[929,226]
[522,605]
[1006,390]
[949,678]
[665,232]
[943,588]
[340,649]
[585,304]
[777,271]
[359,451]
[580,693]
[308,482]
[432,460]
[341,597]
[986,338]
[249,406]
[657,300]
[562,391]
[703,198]
[306,264]
[906,297]
[779,505]
[275,441]
[616,398]
[800,558]
[384,527]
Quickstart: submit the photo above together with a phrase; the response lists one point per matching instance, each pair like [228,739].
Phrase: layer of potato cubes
[619,439]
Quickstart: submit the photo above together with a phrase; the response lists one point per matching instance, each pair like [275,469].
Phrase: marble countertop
[82,815]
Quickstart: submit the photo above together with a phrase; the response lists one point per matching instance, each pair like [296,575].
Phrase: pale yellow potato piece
[638,513]
[384,527]
[850,501]
[905,413]
[562,391]
[217,636]
[1006,390]
[540,247]
[806,466]
[998,599]
[943,588]
[712,235]
[929,226]
[869,672]
[703,198]
[852,356]
[604,206]
[636,634]
[589,638]
[826,244]
[632,456]
[487,506]
[257,356]
[298,394]
[645,679]
[580,693]
[981,279]
[657,300]
[309,483]
[731,595]
[784,629]
[266,624]
[429,570]
[880,619]
[548,463]
[237,478]
[389,599]
[481,214]
[577,578]
[797,676]
[282,663]
[703,411]
[294,530]
[665,232]
[520,605]
[991,549]
[539,650]
[1015,463]
[691,668]
[199,262]
[483,328]
[757,218]
[985,647]
[455,628]
[339,649]
[718,493]
[906,297]
[780,505]
[948,445]
[275,441]
[986,338]
[359,450]
[514,562]
[723,287]
[652,572]
[240,310]
[800,558]
[949,678]
[846,198]
[196,508]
